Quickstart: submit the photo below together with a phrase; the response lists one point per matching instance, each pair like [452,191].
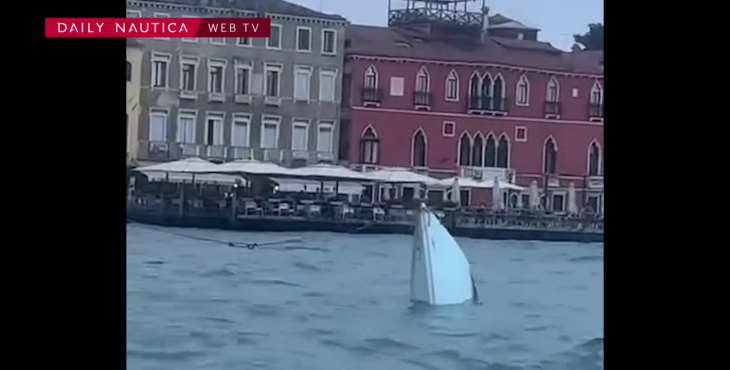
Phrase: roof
[265,6]
[498,21]
[392,41]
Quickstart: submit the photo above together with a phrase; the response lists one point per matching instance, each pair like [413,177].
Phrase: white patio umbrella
[572,204]
[402,176]
[497,195]
[247,167]
[456,191]
[187,165]
[534,195]
[328,172]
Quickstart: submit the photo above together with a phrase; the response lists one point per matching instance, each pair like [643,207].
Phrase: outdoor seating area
[246,189]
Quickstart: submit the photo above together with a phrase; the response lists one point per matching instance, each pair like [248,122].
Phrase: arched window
[423,81]
[486,92]
[498,93]
[129,71]
[465,150]
[490,152]
[477,151]
[523,91]
[474,89]
[596,94]
[369,147]
[419,149]
[452,86]
[371,77]
[553,91]
[503,152]
[550,156]
[594,160]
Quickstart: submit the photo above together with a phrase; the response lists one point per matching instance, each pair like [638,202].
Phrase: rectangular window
[243,79]
[189,68]
[396,86]
[302,78]
[158,125]
[186,127]
[325,136]
[218,40]
[189,39]
[274,40]
[329,42]
[160,69]
[327,85]
[162,15]
[272,82]
[300,135]
[216,76]
[214,129]
[243,41]
[241,131]
[558,203]
[270,133]
[304,39]
[134,14]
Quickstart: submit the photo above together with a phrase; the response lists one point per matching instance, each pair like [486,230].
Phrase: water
[327,301]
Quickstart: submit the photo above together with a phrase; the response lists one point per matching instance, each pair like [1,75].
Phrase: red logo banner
[158,27]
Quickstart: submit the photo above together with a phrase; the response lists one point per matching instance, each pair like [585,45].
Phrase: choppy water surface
[339,302]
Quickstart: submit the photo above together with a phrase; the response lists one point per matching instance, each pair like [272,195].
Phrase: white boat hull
[440,273]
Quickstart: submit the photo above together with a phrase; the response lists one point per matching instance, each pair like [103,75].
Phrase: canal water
[324,301]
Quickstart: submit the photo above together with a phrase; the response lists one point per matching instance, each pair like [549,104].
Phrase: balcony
[270,155]
[422,99]
[487,105]
[189,150]
[595,182]
[371,96]
[242,99]
[241,153]
[595,112]
[216,152]
[487,173]
[158,151]
[552,109]
[216,97]
[189,95]
[272,101]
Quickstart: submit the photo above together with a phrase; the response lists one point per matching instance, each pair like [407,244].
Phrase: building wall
[134,58]
[396,122]
[256,55]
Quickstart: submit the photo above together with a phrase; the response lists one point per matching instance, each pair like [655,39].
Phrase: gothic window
[464,150]
[369,147]
[498,93]
[503,152]
[419,149]
[596,94]
[550,156]
[371,77]
[490,152]
[452,86]
[477,152]
[523,91]
[553,91]
[594,160]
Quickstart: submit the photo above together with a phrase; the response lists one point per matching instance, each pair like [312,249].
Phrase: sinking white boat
[440,273]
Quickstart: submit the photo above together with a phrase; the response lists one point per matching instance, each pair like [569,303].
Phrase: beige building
[134,80]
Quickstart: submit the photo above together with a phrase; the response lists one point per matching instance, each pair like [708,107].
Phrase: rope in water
[246,245]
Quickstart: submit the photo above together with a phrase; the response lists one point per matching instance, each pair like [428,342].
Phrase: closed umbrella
[534,195]
[497,195]
[456,191]
[572,205]
[386,193]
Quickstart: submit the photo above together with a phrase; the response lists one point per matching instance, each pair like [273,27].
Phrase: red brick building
[448,92]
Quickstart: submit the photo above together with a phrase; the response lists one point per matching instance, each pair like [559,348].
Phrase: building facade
[275,99]
[134,76]
[481,97]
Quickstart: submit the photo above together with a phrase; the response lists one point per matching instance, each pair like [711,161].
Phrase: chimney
[485,23]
